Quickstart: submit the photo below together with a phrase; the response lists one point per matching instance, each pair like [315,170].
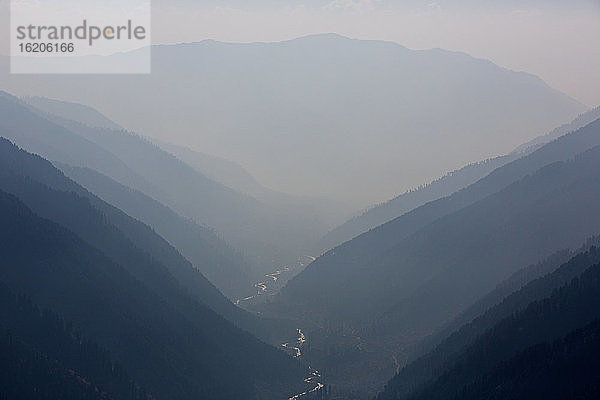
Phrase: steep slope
[41,136]
[472,251]
[223,266]
[564,369]
[27,374]
[76,112]
[146,255]
[270,238]
[410,200]
[483,362]
[175,354]
[218,169]
[38,135]
[322,212]
[435,274]
[385,236]
[346,110]
[444,186]
[269,235]
[428,366]
[505,289]
[582,120]
[44,357]
[27,176]
[369,301]
[406,252]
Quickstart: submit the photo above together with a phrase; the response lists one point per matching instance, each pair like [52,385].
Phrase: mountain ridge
[443,186]
[298,102]
[114,302]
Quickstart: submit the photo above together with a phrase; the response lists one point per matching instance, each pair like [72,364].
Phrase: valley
[292,211]
[275,281]
[314,377]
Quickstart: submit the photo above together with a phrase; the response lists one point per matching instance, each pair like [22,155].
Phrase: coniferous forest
[306,200]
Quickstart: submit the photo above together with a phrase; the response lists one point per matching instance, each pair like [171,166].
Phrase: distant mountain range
[344,110]
[122,257]
[322,212]
[269,236]
[28,129]
[228,173]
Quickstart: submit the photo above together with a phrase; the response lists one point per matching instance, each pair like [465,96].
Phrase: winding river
[295,347]
[314,374]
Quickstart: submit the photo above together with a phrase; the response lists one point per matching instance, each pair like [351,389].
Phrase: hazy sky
[557,40]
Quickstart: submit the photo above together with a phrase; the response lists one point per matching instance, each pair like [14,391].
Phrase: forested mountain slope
[582,120]
[566,369]
[410,200]
[444,186]
[271,231]
[429,276]
[502,362]
[128,302]
[44,357]
[136,163]
[505,289]
[41,136]
[371,300]
[427,367]
[47,191]
[218,262]
[373,243]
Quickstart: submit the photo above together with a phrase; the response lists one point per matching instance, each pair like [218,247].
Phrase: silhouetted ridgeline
[462,234]
[221,264]
[514,283]
[37,134]
[545,350]
[47,191]
[136,163]
[426,368]
[355,114]
[384,212]
[273,230]
[390,288]
[120,255]
[122,295]
[444,186]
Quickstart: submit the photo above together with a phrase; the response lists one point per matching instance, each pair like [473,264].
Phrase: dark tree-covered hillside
[567,309]
[44,357]
[134,245]
[174,356]
[566,369]
[426,367]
